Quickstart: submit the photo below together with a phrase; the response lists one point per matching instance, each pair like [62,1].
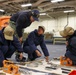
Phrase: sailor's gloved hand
[47,58]
[19,57]
[66,43]
[38,53]
[20,39]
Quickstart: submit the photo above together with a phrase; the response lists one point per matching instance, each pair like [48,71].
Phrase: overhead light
[67,11]
[55,1]
[26,5]
[43,14]
[1,10]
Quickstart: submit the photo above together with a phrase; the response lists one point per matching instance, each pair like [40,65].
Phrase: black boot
[18,58]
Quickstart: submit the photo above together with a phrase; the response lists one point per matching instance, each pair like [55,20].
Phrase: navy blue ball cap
[35,14]
[35,11]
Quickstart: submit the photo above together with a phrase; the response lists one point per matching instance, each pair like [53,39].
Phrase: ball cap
[8,33]
[35,14]
[42,28]
[67,31]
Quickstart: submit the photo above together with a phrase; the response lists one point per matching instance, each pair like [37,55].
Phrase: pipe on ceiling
[57,4]
[50,7]
[38,3]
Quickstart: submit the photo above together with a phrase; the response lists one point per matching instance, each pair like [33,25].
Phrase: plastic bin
[4,20]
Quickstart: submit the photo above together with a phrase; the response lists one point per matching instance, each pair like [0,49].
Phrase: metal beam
[38,3]
[50,6]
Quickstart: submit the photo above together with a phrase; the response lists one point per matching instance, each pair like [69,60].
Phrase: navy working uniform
[31,43]
[71,48]
[7,47]
[22,20]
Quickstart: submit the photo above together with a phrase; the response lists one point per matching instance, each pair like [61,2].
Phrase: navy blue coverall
[71,48]
[7,47]
[31,43]
[21,20]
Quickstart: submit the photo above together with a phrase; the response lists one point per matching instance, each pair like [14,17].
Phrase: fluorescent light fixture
[67,11]
[26,5]
[1,10]
[43,14]
[55,1]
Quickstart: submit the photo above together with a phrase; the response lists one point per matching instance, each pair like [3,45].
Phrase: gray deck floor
[54,51]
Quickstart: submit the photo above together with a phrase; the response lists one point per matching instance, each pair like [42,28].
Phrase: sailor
[23,19]
[70,34]
[34,39]
[9,44]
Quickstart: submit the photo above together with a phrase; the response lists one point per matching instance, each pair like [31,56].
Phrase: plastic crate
[4,20]
[73,72]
